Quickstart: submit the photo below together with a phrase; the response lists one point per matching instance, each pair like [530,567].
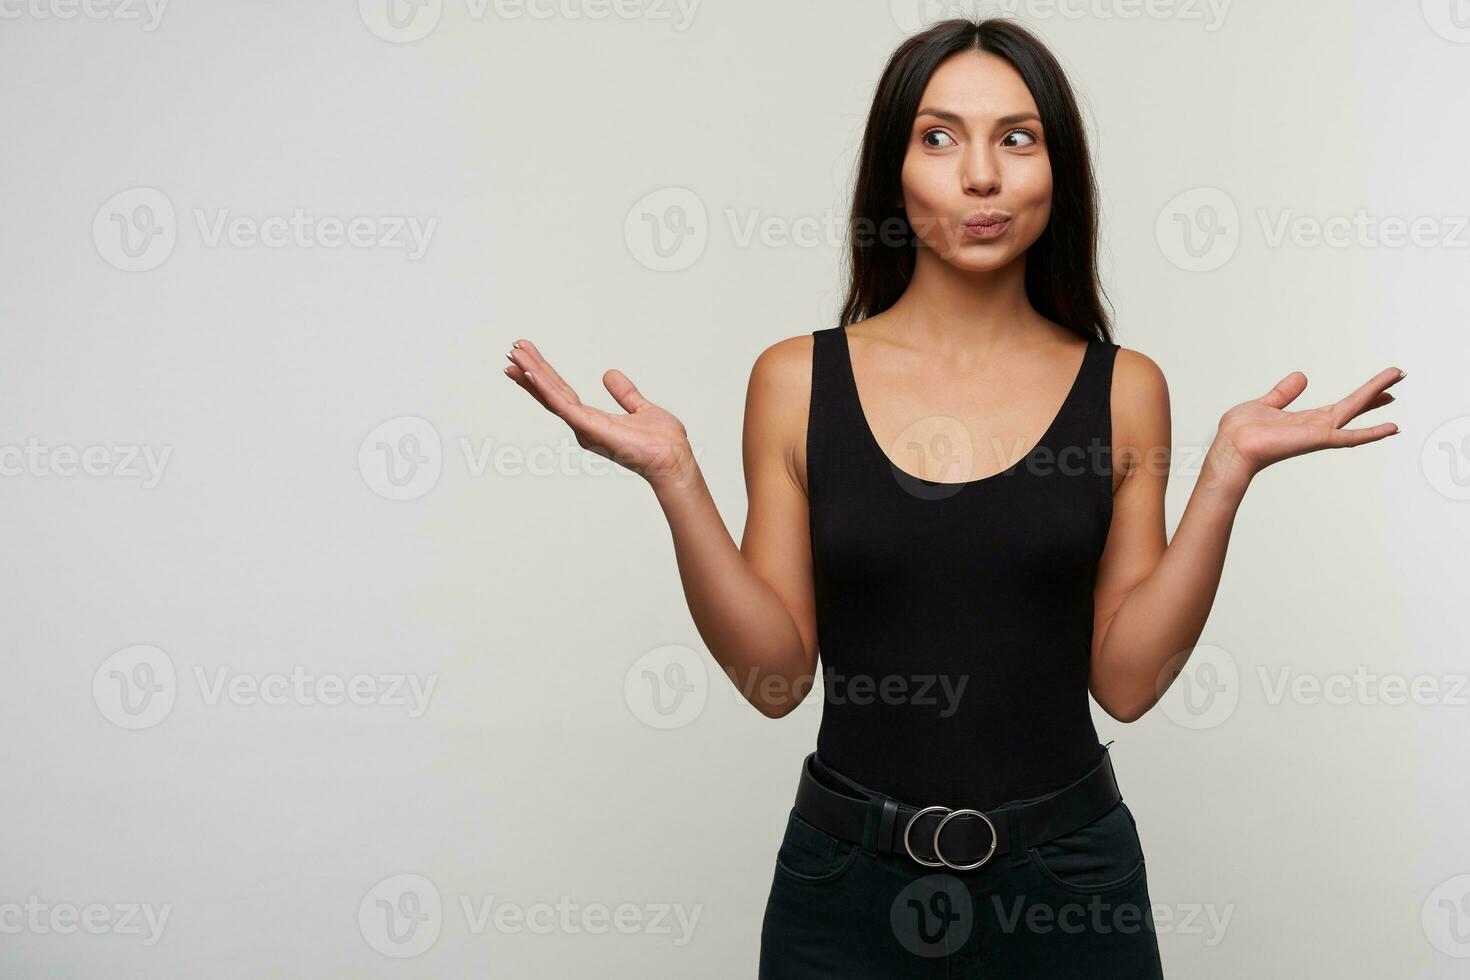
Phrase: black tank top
[954,620]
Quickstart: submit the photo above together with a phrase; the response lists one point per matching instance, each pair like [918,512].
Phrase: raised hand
[647,440]
[1257,433]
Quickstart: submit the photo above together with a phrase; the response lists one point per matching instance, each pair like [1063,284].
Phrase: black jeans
[1076,906]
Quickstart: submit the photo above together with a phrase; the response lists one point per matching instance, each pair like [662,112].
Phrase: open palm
[1257,433]
[648,440]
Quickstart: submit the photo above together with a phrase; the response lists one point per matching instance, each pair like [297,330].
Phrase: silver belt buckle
[949,815]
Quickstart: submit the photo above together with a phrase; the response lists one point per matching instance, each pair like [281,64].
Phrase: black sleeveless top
[954,620]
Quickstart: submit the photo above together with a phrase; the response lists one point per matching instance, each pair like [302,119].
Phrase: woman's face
[976,177]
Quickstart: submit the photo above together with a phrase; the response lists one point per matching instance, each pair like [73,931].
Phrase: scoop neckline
[882,454]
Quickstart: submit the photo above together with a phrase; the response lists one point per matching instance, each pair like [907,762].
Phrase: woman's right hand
[648,440]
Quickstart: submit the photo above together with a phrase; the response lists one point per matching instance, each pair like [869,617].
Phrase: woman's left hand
[1257,433]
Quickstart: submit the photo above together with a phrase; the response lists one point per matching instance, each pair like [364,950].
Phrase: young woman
[957,493]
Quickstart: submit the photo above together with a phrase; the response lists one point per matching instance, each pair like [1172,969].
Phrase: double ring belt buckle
[949,815]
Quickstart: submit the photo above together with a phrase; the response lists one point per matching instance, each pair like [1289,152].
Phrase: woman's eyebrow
[954,118]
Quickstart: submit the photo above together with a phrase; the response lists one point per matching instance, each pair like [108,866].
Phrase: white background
[527,138]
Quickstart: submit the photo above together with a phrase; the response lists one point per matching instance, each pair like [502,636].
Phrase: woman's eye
[937,134]
[1030,136]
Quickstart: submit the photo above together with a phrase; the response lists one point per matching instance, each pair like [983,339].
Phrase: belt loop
[885,824]
[1019,854]
[870,824]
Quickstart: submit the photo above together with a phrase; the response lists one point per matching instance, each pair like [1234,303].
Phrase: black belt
[970,837]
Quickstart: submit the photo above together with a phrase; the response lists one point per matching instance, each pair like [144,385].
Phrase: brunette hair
[1061,266]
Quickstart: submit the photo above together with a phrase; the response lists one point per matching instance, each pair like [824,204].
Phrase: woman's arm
[1152,600]
[752,604]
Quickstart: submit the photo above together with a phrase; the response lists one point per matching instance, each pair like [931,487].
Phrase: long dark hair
[1061,266]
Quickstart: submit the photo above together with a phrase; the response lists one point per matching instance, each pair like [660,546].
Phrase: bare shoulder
[783,363]
[777,401]
[781,380]
[1138,381]
[1140,402]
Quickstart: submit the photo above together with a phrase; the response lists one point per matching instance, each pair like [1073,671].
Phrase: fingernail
[530,376]
[1403,374]
[516,344]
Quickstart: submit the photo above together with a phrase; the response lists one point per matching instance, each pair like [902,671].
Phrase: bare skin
[962,353]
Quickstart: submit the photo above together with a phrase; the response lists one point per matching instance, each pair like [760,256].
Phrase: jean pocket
[1102,856]
[811,855]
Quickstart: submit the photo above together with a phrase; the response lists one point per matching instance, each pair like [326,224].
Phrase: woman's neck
[948,310]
